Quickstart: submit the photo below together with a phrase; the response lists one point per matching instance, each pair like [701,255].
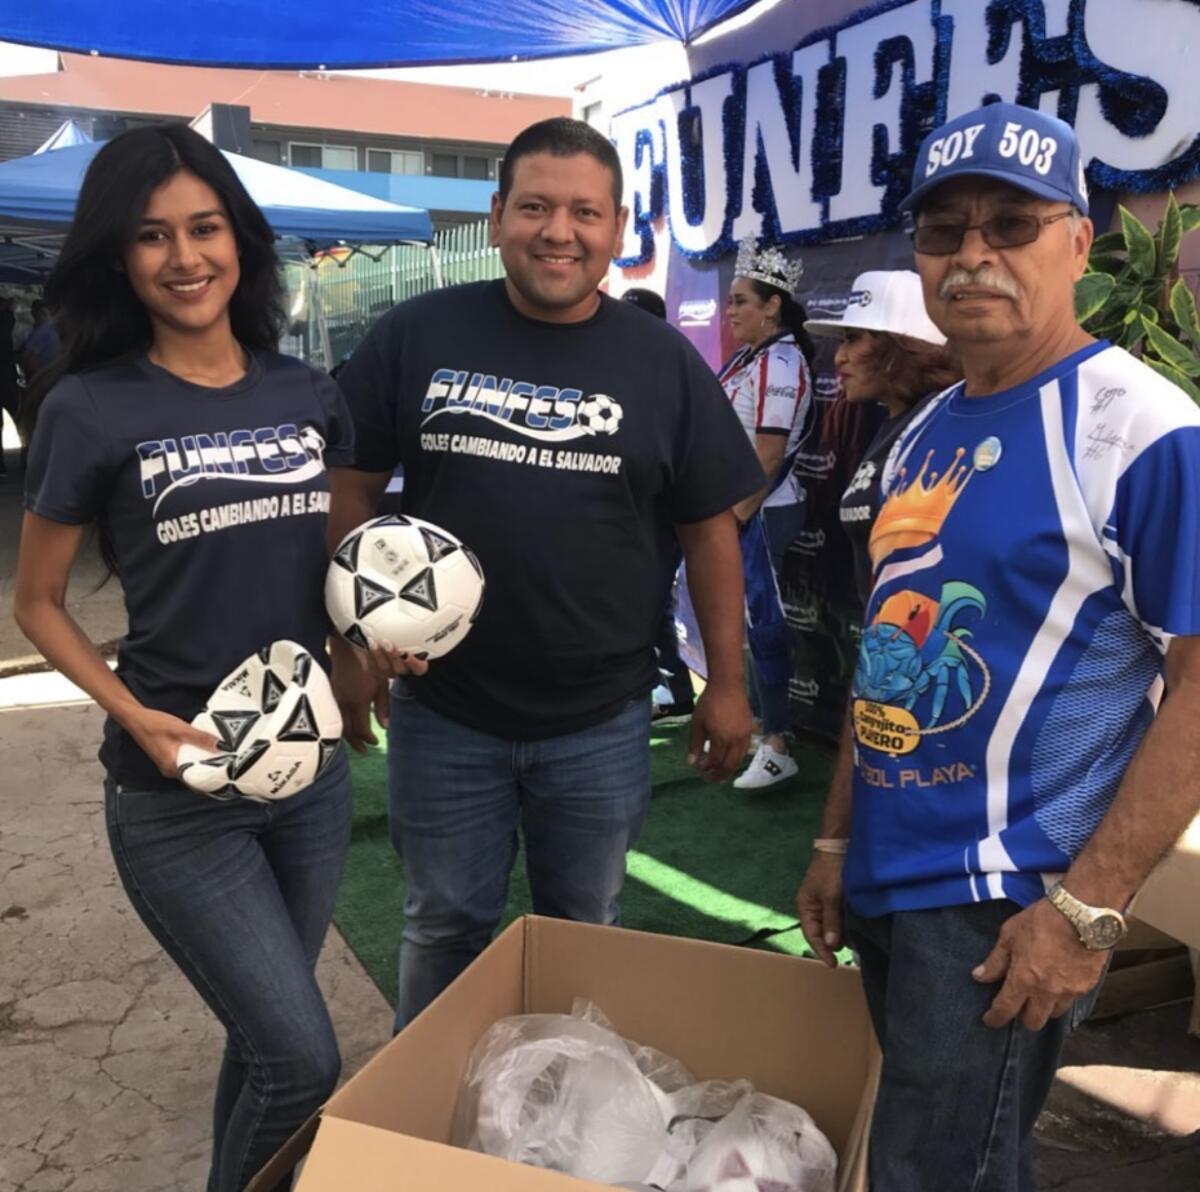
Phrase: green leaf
[1170,351]
[1142,252]
[1109,242]
[1106,262]
[1183,307]
[1106,330]
[1175,377]
[1092,291]
[1189,215]
[1133,334]
[1148,313]
[1170,233]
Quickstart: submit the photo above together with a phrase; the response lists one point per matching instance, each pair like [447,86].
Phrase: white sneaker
[768,767]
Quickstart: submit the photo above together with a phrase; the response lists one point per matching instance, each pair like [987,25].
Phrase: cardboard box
[794,1028]
[1170,899]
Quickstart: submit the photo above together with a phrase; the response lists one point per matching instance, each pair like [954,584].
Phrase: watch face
[1104,931]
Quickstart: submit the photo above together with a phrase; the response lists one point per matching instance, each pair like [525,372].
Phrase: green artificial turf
[712,862]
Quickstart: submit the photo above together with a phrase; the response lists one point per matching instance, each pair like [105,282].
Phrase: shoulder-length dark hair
[98,316]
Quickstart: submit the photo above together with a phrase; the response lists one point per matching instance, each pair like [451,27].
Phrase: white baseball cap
[882,300]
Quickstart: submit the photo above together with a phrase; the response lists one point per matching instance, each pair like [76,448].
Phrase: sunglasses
[1001,231]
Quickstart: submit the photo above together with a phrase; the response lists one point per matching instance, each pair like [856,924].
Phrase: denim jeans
[457,798]
[957,1100]
[240,895]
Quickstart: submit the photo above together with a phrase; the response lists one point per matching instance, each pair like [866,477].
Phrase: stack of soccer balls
[404,581]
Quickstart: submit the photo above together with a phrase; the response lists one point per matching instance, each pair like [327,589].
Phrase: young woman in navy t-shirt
[170,422]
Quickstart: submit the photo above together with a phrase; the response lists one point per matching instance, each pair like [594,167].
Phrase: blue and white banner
[816,140]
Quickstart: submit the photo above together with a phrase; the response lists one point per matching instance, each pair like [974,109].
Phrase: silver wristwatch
[1099,927]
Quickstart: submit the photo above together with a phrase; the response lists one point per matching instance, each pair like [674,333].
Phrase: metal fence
[335,300]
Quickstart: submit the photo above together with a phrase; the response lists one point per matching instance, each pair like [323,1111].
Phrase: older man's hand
[1043,966]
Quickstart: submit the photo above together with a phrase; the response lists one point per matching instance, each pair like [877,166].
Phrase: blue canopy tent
[38,194]
[369,33]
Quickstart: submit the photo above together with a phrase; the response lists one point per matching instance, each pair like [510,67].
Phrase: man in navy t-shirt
[1012,770]
[574,444]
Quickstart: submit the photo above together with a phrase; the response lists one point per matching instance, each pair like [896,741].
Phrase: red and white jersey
[771,391]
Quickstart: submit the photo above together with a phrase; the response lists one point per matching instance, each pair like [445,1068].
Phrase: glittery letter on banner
[972,77]
[1120,121]
[778,149]
[638,137]
[874,98]
[762,149]
[697,185]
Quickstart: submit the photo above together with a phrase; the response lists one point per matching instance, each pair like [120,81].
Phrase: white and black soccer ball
[277,725]
[598,414]
[405,581]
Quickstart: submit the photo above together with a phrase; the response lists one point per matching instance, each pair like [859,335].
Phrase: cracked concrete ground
[109,1057]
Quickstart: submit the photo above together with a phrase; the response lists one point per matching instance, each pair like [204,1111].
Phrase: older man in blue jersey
[1011,770]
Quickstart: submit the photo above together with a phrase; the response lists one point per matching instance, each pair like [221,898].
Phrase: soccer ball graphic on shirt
[277,726]
[405,581]
[598,414]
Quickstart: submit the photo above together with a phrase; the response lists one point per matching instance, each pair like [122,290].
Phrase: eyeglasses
[1001,231]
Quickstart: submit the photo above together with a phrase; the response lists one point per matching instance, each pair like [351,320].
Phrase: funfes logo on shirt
[545,413]
[912,653]
[282,454]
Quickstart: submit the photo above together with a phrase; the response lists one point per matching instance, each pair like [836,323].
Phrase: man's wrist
[732,676]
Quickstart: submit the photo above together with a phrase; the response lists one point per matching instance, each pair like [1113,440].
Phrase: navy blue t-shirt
[563,455]
[216,501]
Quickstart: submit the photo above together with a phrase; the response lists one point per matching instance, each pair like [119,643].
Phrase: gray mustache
[984,277]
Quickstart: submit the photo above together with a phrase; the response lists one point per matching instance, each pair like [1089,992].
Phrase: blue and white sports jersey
[1036,552]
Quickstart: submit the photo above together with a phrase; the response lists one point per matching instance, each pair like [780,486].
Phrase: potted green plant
[1132,295]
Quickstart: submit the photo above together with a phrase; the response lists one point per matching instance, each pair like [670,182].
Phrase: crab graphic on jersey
[914,658]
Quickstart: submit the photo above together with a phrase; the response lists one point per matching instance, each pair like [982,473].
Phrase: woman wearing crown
[769,384]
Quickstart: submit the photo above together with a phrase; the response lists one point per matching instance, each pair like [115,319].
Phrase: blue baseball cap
[1021,146]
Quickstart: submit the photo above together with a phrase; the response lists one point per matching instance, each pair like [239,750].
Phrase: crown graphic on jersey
[769,266]
[914,513]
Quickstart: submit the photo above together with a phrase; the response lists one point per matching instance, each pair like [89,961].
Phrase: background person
[769,385]
[891,353]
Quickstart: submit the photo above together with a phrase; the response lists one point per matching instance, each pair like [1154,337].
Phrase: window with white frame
[323,157]
[395,161]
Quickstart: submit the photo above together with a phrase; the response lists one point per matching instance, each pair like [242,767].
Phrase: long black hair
[791,316]
[98,316]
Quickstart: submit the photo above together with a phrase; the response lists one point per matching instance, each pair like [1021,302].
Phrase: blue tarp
[38,193]
[318,33]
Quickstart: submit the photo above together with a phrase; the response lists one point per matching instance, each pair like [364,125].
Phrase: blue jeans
[766,629]
[456,800]
[240,895]
[957,1100]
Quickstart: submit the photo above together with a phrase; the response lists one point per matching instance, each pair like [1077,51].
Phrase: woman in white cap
[890,353]
[769,385]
